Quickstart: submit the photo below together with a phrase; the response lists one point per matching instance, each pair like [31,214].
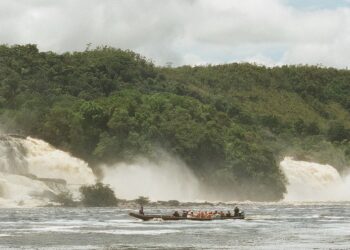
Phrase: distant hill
[230,123]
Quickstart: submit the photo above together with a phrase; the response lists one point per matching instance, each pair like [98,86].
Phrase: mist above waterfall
[166,178]
[309,181]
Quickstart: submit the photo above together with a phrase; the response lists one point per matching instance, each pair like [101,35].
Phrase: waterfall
[32,172]
[309,181]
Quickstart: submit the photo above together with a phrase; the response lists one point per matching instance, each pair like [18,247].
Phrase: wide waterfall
[309,181]
[32,172]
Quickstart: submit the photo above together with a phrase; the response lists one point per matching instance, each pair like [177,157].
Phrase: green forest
[231,123]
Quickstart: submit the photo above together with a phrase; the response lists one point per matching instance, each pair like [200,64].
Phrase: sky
[270,32]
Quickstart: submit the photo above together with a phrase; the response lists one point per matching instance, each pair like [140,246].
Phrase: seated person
[176,214]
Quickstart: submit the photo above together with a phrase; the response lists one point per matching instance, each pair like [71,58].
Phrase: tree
[142,200]
[312,129]
[337,132]
[299,126]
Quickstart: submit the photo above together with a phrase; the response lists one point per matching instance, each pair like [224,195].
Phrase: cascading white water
[165,179]
[309,181]
[31,171]
[45,161]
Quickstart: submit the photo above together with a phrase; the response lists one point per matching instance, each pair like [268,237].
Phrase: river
[268,226]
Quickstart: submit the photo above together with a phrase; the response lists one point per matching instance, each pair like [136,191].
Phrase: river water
[268,226]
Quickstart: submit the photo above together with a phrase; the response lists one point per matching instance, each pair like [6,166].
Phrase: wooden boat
[170,217]
[155,216]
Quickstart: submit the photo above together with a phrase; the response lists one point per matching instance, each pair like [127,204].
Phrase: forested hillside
[230,123]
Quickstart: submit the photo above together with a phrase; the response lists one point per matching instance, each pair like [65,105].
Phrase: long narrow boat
[170,217]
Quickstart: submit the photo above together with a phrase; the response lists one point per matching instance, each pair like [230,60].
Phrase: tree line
[230,123]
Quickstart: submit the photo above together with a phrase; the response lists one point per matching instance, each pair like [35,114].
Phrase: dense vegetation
[230,123]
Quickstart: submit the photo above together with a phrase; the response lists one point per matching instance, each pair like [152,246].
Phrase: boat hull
[167,217]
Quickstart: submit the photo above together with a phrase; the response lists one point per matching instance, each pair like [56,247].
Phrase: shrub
[98,195]
[174,203]
[65,199]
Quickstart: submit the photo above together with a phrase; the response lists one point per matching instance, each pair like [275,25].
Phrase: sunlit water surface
[268,226]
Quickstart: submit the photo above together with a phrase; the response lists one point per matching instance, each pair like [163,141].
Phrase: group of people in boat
[203,214]
[208,214]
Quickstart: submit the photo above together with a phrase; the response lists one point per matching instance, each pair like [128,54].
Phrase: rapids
[268,226]
[32,172]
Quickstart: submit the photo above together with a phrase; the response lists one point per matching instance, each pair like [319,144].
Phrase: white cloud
[184,31]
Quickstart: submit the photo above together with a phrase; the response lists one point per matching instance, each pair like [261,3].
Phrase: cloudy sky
[268,32]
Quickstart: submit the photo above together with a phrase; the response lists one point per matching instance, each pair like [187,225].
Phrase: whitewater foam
[21,190]
[32,172]
[45,161]
[309,181]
